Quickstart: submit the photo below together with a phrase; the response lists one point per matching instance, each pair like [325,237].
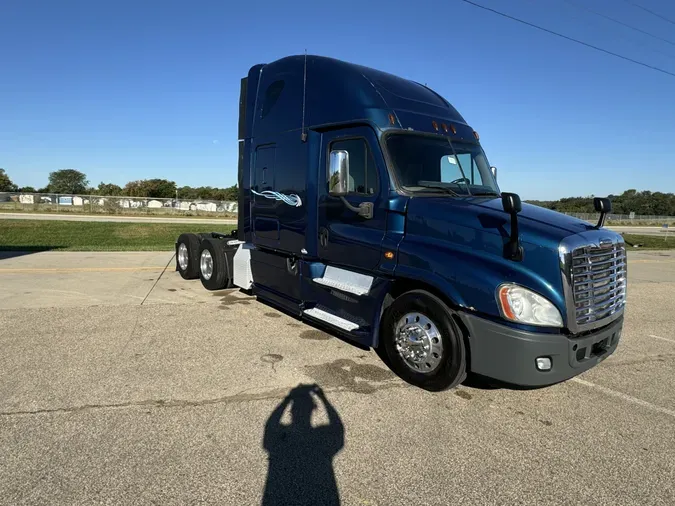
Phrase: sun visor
[443,124]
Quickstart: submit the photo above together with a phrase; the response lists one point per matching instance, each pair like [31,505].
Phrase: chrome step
[332,319]
[345,281]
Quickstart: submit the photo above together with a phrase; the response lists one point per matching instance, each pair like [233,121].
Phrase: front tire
[213,270]
[422,343]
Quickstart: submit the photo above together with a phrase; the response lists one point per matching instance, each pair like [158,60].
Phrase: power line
[626,58]
[587,9]
[650,11]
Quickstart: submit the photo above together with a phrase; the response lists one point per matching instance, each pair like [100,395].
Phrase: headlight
[521,305]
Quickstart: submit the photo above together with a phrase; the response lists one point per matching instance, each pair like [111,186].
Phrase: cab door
[346,238]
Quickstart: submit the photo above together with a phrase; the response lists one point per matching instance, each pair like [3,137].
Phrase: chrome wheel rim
[183,259]
[206,264]
[418,342]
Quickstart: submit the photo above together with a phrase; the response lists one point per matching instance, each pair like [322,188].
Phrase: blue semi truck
[367,206]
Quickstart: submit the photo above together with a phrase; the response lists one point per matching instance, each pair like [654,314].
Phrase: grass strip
[41,235]
[662,241]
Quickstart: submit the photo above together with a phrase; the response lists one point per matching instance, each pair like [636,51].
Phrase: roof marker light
[444,127]
[392,120]
[454,130]
[475,134]
[435,125]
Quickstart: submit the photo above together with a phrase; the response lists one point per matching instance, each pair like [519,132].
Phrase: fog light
[544,363]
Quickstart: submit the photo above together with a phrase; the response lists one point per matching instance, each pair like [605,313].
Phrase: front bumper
[508,354]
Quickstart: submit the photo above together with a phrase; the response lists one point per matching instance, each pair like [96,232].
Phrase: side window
[271,97]
[475,176]
[362,170]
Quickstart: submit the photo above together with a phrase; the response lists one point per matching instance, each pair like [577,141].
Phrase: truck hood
[449,216]
[460,242]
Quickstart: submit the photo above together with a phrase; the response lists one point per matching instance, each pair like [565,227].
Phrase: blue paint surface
[455,244]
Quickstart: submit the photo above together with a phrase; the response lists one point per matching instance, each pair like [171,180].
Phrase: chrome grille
[598,281]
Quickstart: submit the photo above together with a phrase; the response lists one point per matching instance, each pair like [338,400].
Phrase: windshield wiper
[447,190]
[484,193]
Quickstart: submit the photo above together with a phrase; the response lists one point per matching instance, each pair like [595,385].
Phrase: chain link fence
[637,219]
[98,204]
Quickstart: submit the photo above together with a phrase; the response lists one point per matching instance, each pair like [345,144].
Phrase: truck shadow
[478,382]
[7,252]
[330,332]
[474,381]
[300,456]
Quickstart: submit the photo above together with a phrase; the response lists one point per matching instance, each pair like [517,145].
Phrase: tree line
[638,202]
[71,181]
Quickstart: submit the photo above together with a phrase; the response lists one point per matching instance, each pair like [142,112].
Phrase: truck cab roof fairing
[336,92]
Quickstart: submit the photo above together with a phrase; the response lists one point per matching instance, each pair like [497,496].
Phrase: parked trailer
[368,205]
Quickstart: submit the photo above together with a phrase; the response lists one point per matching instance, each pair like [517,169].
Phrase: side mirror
[604,207]
[338,173]
[338,182]
[511,203]
[493,169]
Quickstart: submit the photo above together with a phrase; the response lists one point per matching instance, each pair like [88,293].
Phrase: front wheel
[422,342]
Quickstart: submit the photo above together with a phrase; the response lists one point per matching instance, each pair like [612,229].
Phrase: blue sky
[129,90]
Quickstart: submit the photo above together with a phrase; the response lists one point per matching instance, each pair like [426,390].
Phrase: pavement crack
[277,393]
[154,403]
[662,357]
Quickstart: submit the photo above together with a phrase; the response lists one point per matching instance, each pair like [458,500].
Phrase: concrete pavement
[135,386]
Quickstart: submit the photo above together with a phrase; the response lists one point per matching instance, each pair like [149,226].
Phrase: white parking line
[662,338]
[626,397]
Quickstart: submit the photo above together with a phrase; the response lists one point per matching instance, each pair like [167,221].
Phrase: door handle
[365,209]
[323,237]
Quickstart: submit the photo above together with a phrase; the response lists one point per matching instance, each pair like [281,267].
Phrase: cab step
[345,281]
[331,319]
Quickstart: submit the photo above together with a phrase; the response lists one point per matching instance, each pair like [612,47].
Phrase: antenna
[303,135]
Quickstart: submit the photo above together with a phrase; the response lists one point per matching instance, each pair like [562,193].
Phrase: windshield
[429,164]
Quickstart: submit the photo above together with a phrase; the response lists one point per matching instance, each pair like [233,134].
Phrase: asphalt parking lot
[122,383]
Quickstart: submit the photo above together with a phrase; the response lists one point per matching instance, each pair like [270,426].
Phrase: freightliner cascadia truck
[367,206]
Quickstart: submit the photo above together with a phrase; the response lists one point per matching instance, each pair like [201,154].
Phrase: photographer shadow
[301,456]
